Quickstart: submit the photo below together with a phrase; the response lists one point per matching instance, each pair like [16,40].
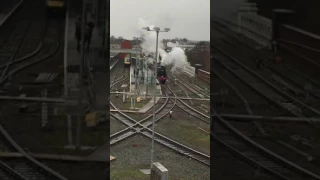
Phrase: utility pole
[154,100]
[157,29]
[81,73]
[147,78]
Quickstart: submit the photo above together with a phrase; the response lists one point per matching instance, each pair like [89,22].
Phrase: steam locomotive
[161,74]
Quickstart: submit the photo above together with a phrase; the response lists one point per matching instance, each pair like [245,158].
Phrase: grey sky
[187,18]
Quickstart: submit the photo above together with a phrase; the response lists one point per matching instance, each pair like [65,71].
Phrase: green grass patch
[188,134]
[130,173]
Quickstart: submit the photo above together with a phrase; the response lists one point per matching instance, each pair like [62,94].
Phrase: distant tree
[112,38]
[202,46]
[185,40]
[141,39]
[136,40]
[165,41]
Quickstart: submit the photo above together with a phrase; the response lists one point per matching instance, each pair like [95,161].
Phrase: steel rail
[309,79]
[236,64]
[142,128]
[49,38]
[257,154]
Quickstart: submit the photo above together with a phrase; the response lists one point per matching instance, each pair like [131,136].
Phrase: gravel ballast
[134,154]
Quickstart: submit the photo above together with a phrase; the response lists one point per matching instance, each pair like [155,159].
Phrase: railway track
[269,163]
[115,79]
[264,87]
[204,76]
[137,125]
[42,31]
[244,128]
[201,87]
[47,49]
[23,168]
[12,40]
[200,92]
[7,173]
[284,170]
[285,77]
[142,127]
[261,128]
[190,110]
[26,167]
[299,80]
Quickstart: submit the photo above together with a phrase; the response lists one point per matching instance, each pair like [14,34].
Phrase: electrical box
[91,119]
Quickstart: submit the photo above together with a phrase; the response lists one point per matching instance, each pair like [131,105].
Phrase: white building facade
[254,26]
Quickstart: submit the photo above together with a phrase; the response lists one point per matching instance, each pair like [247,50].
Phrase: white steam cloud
[176,57]
[150,38]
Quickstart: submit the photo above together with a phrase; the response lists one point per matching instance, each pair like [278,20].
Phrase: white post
[124,95]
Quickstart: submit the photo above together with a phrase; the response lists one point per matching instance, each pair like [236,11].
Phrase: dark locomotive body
[56,8]
[161,74]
